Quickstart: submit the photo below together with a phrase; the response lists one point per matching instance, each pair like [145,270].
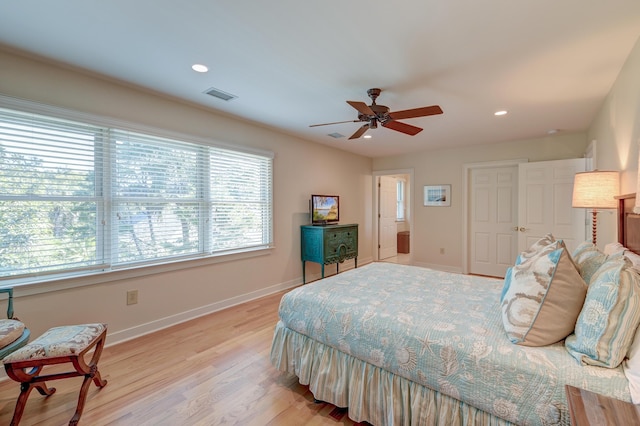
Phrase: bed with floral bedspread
[400,344]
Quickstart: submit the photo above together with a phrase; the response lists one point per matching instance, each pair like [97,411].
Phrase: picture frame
[437,195]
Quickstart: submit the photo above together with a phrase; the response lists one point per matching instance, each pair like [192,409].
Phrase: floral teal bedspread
[443,331]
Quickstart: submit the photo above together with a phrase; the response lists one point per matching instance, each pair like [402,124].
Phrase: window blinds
[76,196]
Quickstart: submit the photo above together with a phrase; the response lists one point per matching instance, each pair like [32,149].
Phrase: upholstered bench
[58,345]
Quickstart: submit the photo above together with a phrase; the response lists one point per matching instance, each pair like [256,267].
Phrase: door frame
[466,205]
[375,211]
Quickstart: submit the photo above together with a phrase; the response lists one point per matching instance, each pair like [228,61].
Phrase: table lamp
[595,190]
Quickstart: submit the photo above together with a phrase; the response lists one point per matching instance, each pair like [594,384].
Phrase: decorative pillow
[633,257]
[588,259]
[631,368]
[542,297]
[609,318]
[535,248]
[612,248]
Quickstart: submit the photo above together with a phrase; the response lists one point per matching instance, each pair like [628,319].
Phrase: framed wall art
[437,195]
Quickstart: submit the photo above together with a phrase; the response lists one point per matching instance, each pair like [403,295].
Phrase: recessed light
[503,112]
[367,136]
[199,68]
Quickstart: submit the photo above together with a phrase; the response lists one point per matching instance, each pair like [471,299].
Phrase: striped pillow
[589,259]
[609,318]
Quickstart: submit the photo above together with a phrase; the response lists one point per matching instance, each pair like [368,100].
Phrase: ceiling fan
[374,114]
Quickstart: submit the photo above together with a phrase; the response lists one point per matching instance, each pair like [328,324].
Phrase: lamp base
[594,225]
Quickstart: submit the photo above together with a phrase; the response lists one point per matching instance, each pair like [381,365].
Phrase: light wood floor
[214,370]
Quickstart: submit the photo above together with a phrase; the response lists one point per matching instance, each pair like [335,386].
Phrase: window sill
[56,283]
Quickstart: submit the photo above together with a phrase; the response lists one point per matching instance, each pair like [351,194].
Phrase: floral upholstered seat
[59,345]
[57,342]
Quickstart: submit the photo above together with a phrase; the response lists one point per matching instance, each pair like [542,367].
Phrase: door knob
[522,229]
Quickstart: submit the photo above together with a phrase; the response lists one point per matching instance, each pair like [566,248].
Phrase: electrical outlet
[441,250]
[132,297]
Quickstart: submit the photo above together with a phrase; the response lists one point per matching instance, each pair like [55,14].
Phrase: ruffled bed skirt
[370,393]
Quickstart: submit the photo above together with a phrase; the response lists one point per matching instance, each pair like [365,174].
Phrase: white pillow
[634,258]
[631,368]
[612,248]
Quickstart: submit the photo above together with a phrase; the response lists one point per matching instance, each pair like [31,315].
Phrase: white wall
[616,129]
[300,169]
[441,227]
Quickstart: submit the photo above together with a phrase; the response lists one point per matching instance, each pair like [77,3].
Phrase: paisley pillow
[535,248]
[542,297]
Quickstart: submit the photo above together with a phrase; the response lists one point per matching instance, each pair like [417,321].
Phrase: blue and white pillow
[610,315]
[588,259]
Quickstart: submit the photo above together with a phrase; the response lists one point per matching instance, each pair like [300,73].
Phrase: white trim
[53,283]
[98,120]
[465,200]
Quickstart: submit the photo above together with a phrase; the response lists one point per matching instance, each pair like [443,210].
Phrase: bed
[401,345]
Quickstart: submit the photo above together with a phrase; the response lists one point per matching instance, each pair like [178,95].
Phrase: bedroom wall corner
[616,128]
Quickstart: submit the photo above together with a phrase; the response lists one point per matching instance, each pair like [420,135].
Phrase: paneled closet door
[545,192]
[493,220]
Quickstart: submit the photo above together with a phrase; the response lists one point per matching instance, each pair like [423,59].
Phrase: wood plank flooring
[214,370]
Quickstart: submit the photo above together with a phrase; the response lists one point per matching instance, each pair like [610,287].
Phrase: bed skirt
[370,393]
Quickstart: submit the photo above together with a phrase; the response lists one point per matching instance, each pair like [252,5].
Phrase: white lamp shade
[595,190]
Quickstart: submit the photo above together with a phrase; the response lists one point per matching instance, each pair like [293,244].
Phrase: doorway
[393,212]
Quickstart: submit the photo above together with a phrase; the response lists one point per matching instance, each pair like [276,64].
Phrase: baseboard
[157,325]
[445,268]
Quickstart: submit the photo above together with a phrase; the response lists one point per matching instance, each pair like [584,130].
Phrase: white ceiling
[294,63]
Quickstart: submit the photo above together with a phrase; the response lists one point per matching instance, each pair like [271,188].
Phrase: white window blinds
[75,196]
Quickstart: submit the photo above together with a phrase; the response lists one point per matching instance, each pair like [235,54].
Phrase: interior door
[387,231]
[493,218]
[545,193]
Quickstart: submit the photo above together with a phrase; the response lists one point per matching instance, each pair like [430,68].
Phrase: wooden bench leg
[91,373]
[25,390]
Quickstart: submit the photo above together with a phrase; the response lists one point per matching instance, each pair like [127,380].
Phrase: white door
[546,190]
[492,220]
[387,231]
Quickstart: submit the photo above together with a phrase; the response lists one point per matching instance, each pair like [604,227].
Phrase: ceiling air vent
[336,135]
[216,93]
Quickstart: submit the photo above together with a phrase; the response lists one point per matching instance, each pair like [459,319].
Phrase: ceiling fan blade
[402,127]
[360,132]
[335,122]
[416,112]
[361,107]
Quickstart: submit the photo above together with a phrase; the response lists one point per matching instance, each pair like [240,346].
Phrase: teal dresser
[328,244]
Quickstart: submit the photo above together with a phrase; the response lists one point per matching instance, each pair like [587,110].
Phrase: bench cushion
[57,342]
[10,330]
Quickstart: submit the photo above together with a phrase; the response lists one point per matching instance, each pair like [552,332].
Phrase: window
[400,200]
[76,197]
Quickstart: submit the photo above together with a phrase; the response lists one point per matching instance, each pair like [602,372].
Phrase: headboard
[628,223]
